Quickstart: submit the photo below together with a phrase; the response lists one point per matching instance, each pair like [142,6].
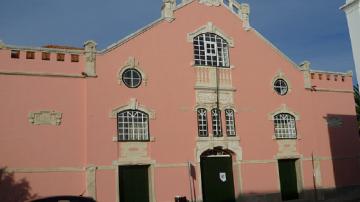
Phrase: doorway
[134,183]
[288,179]
[217,178]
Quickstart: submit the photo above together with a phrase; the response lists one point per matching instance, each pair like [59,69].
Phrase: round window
[280,86]
[131,78]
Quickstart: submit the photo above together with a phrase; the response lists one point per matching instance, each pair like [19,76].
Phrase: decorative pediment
[209,27]
[283,109]
[133,105]
[45,117]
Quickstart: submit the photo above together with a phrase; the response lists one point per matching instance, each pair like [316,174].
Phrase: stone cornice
[45,74]
[41,49]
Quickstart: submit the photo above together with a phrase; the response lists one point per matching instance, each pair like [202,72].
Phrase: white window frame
[216,122]
[230,122]
[133,125]
[134,82]
[285,126]
[281,87]
[202,122]
[211,50]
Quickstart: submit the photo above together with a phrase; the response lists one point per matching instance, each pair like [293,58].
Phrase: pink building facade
[196,104]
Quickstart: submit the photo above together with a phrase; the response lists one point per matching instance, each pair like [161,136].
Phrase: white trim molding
[283,109]
[45,117]
[131,63]
[281,75]
[210,27]
[150,163]
[211,2]
[132,105]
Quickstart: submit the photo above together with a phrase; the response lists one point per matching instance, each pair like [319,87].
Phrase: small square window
[45,56]
[15,54]
[60,57]
[30,55]
[74,58]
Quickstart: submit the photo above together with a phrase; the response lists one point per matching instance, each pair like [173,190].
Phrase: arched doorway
[217,179]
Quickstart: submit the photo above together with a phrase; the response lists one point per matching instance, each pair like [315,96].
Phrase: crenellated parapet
[328,81]
[48,60]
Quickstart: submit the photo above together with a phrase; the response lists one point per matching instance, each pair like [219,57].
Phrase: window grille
[132,78]
[230,122]
[281,87]
[211,50]
[202,122]
[284,125]
[133,126]
[216,122]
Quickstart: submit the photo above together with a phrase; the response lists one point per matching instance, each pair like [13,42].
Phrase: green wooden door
[133,183]
[288,179]
[217,179]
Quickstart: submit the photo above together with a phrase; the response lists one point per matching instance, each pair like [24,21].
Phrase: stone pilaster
[91,181]
[245,13]
[90,58]
[167,10]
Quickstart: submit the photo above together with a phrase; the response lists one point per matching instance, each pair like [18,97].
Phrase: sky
[313,30]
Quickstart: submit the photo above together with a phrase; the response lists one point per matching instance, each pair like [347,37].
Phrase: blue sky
[314,30]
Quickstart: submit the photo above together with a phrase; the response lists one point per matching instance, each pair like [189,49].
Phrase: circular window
[280,86]
[131,78]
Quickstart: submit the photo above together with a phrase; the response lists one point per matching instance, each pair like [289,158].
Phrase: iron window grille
[133,125]
[211,50]
[281,87]
[230,122]
[285,126]
[132,78]
[202,122]
[216,122]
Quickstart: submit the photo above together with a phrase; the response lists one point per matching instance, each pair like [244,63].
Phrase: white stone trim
[41,49]
[210,27]
[211,2]
[90,58]
[45,117]
[281,75]
[150,163]
[226,143]
[283,109]
[132,105]
[91,181]
[167,10]
[131,63]
[44,74]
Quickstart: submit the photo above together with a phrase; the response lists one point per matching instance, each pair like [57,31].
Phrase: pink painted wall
[86,133]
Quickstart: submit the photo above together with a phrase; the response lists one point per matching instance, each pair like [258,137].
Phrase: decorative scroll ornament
[211,2]
[45,118]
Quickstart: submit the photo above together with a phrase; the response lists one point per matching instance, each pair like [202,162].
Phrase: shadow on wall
[345,149]
[348,194]
[14,191]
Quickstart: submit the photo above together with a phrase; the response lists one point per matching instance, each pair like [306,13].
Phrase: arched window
[284,126]
[211,50]
[216,122]
[132,125]
[202,122]
[230,122]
